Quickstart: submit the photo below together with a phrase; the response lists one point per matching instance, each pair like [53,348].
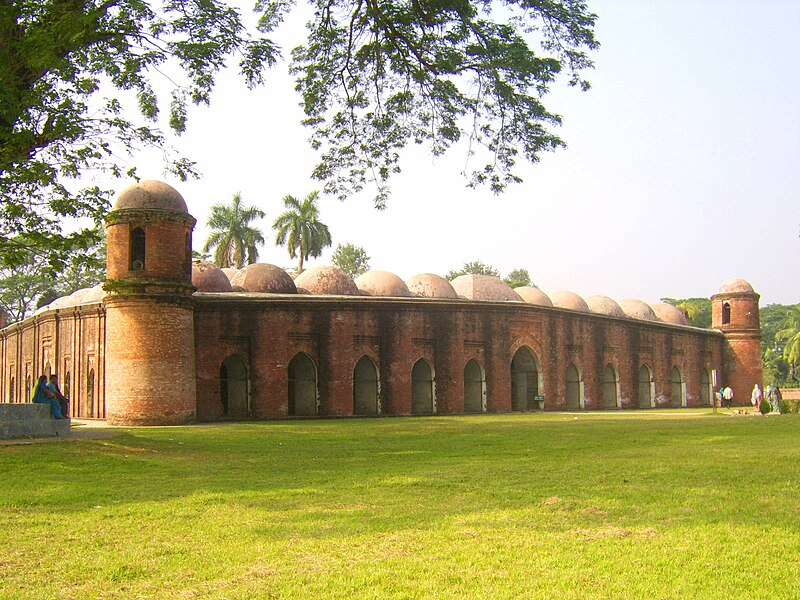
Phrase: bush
[790,406]
[766,407]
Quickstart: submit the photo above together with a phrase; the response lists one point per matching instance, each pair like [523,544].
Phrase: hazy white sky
[682,168]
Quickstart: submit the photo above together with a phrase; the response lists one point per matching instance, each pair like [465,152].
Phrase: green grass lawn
[667,504]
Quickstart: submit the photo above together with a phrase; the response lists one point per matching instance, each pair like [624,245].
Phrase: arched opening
[28,386]
[474,387]
[423,388]
[137,250]
[574,388]
[234,388]
[88,407]
[705,388]
[610,387]
[525,382]
[11,390]
[677,388]
[646,387]
[47,370]
[365,388]
[67,384]
[726,313]
[302,386]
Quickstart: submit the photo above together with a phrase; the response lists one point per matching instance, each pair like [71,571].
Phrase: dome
[78,297]
[636,309]
[57,303]
[569,300]
[484,287]
[74,299]
[150,194]
[93,294]
[230,272]
[428,285]
[264,278]
[533,295]
[382,283]
[669,313]
[208,277]
[737,285]
[327,281]
[603,305]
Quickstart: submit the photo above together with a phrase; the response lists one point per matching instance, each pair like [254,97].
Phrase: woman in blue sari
[41,396]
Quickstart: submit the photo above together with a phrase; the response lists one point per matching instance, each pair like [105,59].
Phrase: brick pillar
[498,362]
[449,340]
[734,311]
[149,347]
[336,363]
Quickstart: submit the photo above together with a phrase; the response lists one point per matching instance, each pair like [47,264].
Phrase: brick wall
[336,333]
[160,359]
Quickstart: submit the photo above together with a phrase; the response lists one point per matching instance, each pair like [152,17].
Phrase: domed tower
[149,347]
[734,311]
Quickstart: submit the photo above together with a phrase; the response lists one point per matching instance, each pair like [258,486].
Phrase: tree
[772,318]
[351,259]
[373,77]
[475,267]
[300,229]
[33,284]
[376,75]
[233,238]
[21,286]
[67,70]
[789,335]
[518,278]
[697,310]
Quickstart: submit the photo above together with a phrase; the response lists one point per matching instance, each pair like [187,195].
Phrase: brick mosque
[167,340]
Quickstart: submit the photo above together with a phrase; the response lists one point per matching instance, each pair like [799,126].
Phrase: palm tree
[300,229]
[231,234]
[790,335]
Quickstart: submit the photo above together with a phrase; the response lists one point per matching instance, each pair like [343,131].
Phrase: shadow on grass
[332,478]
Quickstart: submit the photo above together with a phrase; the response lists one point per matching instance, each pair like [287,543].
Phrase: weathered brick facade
[154,352]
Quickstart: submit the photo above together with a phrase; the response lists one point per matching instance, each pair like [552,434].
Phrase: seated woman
[41,395]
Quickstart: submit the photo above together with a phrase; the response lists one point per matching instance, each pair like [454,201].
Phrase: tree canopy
[234,240]
[351,259]
[518,278]
[66,70]
[373,78]
[789,338]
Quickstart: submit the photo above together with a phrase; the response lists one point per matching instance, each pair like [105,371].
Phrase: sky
[682,168]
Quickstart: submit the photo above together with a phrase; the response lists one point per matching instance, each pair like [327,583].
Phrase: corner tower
[734,311]
[149,342]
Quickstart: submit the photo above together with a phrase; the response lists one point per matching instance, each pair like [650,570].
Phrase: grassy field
[626,505]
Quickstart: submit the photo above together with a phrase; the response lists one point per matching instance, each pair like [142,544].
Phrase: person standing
[41,395]
[755,397]
[778,397]
[63,401]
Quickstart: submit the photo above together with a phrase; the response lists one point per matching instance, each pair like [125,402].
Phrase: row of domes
[324,280]
[266,278]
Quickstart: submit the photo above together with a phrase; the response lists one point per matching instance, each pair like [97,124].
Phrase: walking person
[755,397]
[41,395]
[728,397]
